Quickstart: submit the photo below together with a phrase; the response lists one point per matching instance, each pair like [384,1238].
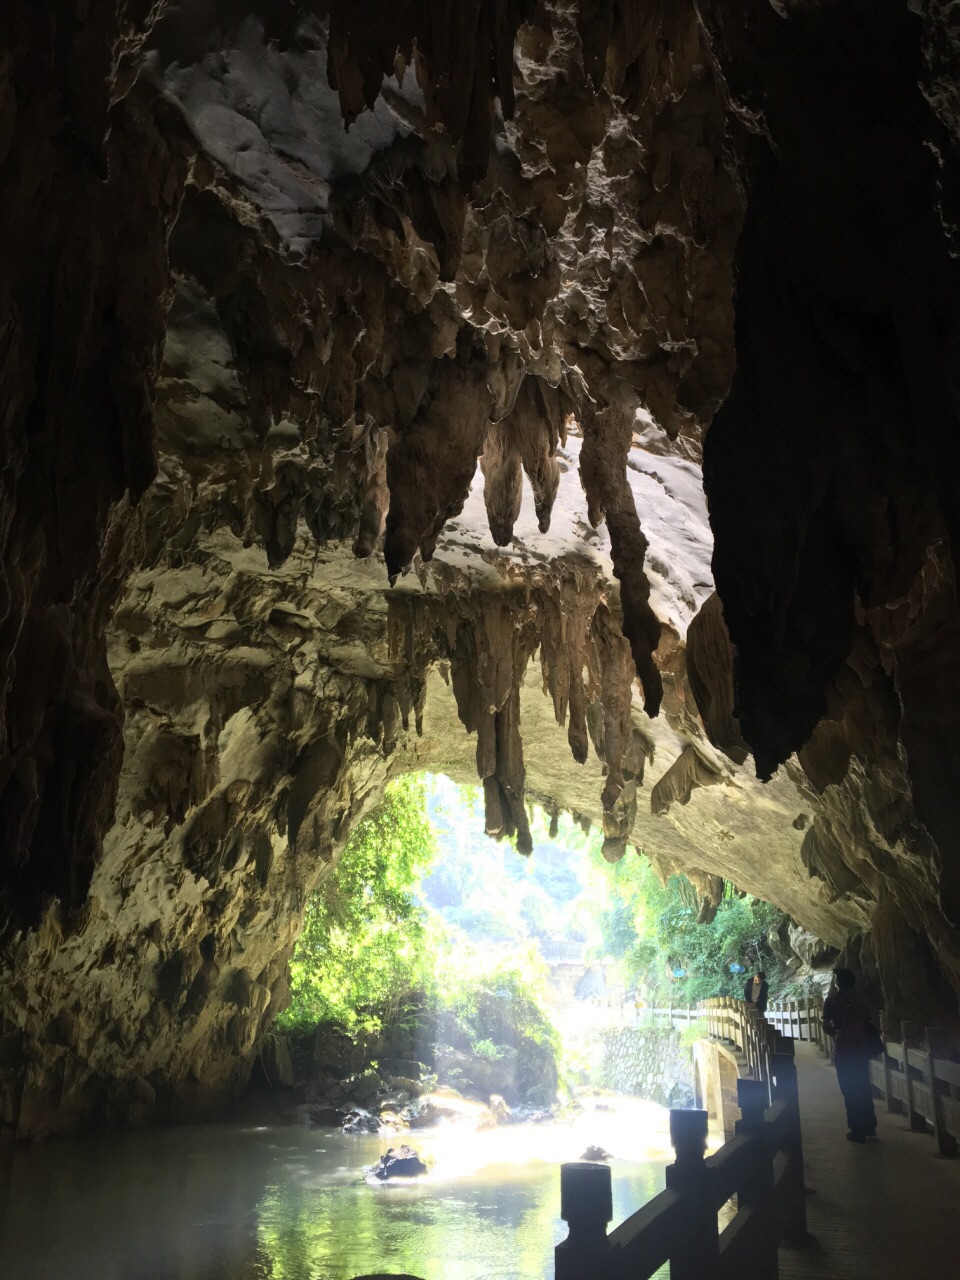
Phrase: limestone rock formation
[329,451]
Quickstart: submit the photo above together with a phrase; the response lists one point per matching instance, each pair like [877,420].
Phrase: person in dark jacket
[847,1018]
[756,991]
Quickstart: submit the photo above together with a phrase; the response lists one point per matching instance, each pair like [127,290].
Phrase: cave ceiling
[560,394]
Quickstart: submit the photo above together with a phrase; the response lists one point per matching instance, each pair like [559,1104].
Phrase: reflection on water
[232,1203]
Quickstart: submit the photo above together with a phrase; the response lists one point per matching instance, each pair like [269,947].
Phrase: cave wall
[84,287]
[439,268]
[266,708]
[831,469]
[251,365]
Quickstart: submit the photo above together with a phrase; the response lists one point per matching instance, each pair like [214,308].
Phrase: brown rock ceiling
[249,363]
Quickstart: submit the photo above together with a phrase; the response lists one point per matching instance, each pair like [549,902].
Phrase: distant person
[756,991]
[856,1040]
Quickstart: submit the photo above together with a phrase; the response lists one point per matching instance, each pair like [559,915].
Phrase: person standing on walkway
[856,1040]
[756,991]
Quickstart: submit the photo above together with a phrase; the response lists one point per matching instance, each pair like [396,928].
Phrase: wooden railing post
[752,1101]
[756,1055]
[939,1043]
[821,1034]
[756,1193]
[586,1206]
[911,1039]
[784,1071]
[696,1255]
[893,1103]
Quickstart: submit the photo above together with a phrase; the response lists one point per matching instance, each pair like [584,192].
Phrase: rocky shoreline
[363,1084]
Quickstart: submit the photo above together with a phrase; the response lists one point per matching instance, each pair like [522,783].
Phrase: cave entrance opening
[532,938]
[498,1014]
[441,955]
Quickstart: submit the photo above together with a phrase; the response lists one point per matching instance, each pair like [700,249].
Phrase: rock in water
[360,1121]
[400,1162]
[596,1153]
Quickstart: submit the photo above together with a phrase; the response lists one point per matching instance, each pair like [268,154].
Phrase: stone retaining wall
[651,1062]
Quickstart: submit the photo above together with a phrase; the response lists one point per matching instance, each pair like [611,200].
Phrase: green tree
[670,937]
[363,948]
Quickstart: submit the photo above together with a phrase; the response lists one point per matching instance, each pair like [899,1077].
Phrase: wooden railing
[800,1021]
[746,1029]
[918,1078]
[796,1020]
[761,1168]
[668,1015]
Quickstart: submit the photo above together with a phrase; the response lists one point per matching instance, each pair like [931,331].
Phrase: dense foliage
[495,997]
[365,943]
[423,911]
[372,951]
[653,930]
[568,891]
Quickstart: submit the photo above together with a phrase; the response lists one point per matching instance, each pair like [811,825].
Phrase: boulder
[335,1050]
[399,1162]
[403,1068]
[326,1088]
[366,1085]
[276,1064]
[422,1114]
[405,1084]
[360,1121]
[395,1100]
[499,1109]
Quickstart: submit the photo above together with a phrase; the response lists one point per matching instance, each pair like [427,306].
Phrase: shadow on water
[277,1203]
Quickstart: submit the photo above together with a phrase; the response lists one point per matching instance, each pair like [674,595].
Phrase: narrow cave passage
[496,1012]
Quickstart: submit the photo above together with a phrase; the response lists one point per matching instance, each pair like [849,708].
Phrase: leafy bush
[364,949]
[667,935]
[486,1049]
[372,956]
[496,997]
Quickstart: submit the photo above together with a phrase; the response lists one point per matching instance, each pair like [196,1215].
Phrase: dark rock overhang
[531,227]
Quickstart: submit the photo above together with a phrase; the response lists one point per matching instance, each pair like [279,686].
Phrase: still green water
[281,1203]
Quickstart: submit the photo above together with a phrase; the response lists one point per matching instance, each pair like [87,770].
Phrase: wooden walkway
[887,1210]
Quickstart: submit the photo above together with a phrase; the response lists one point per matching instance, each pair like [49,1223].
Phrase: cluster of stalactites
[493,412]
[488,640]
[514,424]
[440,323]
[463,57]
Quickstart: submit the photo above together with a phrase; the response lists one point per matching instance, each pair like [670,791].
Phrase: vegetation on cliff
[376,956]
[366,944]
[653,930]
[425,923]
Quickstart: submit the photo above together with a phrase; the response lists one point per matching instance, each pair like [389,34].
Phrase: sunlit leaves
[362,949]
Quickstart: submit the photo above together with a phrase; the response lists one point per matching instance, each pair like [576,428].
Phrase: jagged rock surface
[516,267]
[836,563]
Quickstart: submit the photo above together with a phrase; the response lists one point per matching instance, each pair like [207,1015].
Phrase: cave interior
[563,394]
